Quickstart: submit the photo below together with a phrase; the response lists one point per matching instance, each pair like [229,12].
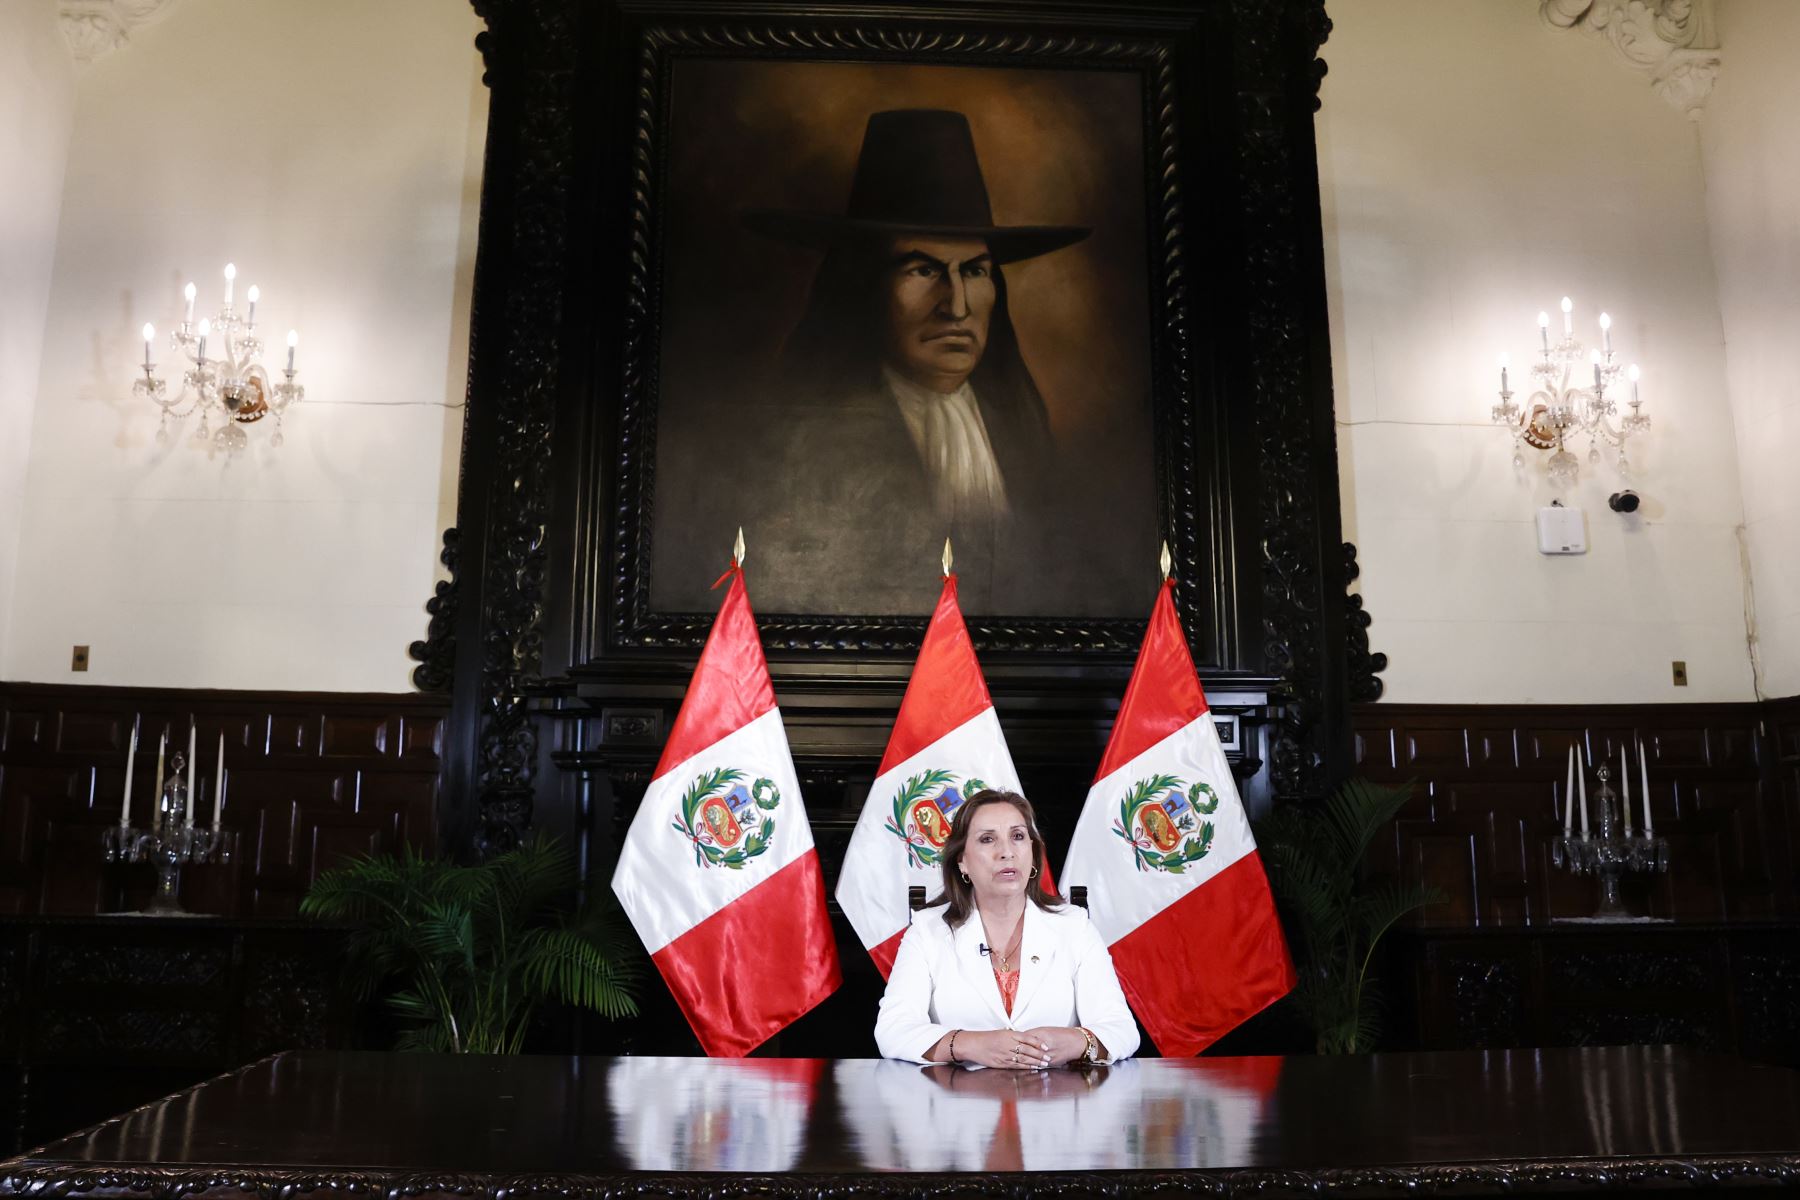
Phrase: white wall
[332,150]
[37,105]
[1476,166]
[1752,155]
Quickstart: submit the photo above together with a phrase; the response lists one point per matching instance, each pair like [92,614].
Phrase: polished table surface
[1470,1121]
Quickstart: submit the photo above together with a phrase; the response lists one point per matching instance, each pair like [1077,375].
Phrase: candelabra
[171,843]
[232,385]
[1613,852]
[1557,410]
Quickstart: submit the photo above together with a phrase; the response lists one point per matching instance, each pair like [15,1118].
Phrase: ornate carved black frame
[550,599]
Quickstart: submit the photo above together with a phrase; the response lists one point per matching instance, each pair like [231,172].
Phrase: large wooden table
[1468,1122]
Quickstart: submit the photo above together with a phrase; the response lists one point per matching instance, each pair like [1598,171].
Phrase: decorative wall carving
[1732,987]
[436,653]
[1671,40]
[1362,664]
[96,27]
[530,49]
[1490,1002]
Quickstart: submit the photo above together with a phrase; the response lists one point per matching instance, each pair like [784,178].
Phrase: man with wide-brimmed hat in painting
[902,390]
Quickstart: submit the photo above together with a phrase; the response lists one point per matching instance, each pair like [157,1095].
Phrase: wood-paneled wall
[309,778]
[1725,792]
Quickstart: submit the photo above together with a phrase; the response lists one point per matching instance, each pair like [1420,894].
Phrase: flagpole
[948,558]
[1167,561]
[737,549]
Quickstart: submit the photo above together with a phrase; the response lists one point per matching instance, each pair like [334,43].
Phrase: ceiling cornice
[97,27]
[1673,41]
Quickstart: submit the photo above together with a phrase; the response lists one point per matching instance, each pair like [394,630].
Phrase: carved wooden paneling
[1489,785]
[309,779]
[1733,987]
[101,1014]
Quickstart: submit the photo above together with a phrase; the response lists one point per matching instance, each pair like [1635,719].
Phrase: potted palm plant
[1335,915]
[467,953]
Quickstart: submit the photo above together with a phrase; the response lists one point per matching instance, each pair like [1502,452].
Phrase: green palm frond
[1334,915]
[464,954]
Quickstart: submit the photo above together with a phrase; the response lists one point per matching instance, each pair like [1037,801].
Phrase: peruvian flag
[1175,885]
[945,746]
[718,872]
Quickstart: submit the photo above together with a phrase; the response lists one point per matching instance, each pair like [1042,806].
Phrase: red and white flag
[1174,881]
[718,872]
[946,745]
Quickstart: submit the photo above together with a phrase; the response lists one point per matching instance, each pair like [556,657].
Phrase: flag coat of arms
[946,745]
[1175,884]
[718,873]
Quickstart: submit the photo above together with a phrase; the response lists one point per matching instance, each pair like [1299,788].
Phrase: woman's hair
[959,895]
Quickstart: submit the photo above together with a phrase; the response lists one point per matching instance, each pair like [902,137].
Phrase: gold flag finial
[948,558]
[1167,560]
[737,548]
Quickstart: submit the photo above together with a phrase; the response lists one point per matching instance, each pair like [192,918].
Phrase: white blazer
[941,981]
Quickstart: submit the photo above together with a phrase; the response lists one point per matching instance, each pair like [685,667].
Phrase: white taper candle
[1644,783]
[1625,788]
[162,747]
[193,733]
[130,765]
[219,783]
[1581,786]
[1569,796]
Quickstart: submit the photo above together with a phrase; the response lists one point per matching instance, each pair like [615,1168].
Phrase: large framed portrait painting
[902,302]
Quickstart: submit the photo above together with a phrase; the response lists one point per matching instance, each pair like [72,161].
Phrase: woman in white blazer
[996,972]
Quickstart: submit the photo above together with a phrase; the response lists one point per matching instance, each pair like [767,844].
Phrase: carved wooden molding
[97,27]
[1769,1171]
[1672,40]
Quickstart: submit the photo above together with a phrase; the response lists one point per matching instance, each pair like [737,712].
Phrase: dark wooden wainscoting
[309,778]
[1490,780]
[101,1014]
[1500,964]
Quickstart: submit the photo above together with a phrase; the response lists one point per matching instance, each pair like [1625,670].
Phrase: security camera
[1623,502]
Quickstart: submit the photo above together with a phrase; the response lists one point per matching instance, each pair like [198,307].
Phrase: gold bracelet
[1092,1053]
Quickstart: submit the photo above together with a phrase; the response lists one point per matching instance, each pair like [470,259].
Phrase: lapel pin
[1034,958]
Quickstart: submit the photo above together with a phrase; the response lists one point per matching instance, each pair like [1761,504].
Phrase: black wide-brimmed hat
[916,173]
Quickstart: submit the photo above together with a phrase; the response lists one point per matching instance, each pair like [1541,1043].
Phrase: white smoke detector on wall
[1561,530]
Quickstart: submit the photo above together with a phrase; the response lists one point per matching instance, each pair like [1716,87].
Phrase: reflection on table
[431,1124]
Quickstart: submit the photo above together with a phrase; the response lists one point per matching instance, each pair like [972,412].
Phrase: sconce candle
[1503,362]
[293,340]
[149,336]
[1559,405]
[228,383]
[1632,375]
